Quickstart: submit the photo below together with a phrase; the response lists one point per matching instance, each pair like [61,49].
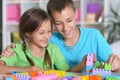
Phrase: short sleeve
[103,48]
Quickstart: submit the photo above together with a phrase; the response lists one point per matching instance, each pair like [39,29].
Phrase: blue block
[8,78]
[89,67]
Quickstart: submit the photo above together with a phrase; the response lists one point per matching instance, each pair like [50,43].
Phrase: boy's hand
[85,59]
[114,60]
[8,52]
[94,58]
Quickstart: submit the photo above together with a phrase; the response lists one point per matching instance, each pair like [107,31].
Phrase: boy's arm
[82,65]
[78,68]
[8,69]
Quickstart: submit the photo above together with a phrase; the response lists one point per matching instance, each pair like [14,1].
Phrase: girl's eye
[70,20]
[58,23]
[41,33]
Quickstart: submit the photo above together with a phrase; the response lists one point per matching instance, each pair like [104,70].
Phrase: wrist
[83,64]
[118,70]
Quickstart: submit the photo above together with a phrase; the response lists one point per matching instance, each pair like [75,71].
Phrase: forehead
[64,14]
[45,25]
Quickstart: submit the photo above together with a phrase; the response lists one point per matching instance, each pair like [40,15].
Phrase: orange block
[34,73]
[11,76]
[94,77]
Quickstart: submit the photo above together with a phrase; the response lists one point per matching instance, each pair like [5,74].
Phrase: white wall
[115,5]
[116,48]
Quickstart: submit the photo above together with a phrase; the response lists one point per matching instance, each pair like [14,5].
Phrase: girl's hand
[35,68]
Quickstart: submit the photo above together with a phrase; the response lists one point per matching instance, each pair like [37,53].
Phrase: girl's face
[41,36]
[65,22]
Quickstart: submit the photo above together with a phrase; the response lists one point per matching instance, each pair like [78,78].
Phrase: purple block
[100,71]
[22,77]
[93,8]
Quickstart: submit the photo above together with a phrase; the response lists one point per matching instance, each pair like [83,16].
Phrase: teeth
[67,32]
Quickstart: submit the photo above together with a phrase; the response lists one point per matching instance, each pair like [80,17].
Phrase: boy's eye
[49,31]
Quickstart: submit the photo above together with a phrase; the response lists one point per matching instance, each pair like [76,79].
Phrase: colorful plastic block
[34,73]
[94,77]
[107,66]
[98,64]
[45,77]
[89,61]
[22,77]
[100,71]
[8,78]
[59,73]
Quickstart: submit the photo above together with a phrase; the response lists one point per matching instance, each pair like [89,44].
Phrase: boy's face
[41,36]
[65,22]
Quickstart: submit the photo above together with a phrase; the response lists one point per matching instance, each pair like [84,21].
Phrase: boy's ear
[76,14]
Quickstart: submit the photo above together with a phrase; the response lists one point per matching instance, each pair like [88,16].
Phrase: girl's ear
[28,34]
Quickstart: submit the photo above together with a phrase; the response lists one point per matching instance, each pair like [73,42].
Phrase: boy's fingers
[111,58]
[116,63]
[13,45]
[7,52]
[114,60]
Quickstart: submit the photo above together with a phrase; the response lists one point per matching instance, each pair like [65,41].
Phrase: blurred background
[103,15]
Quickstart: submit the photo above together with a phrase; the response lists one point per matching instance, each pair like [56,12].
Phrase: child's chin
[45,45]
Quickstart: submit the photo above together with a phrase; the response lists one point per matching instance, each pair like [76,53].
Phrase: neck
[36,50]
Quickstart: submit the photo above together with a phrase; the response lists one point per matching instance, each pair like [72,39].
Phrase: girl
[34,53]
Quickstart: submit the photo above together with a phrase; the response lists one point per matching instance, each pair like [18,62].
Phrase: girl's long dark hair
[30,21]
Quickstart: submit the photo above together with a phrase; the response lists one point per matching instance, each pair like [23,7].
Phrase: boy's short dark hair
[59,5]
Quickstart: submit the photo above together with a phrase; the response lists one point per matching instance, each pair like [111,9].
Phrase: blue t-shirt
[90,40]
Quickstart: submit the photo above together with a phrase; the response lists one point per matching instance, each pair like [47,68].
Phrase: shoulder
[90,31]
[18,47]
[52,46]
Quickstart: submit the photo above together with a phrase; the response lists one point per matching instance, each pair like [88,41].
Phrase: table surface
[80,74]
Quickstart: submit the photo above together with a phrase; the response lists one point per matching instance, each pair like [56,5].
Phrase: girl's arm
[8,69]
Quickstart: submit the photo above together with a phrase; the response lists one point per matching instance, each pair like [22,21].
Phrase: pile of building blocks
[54,75]
[99,71]
[100,68]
